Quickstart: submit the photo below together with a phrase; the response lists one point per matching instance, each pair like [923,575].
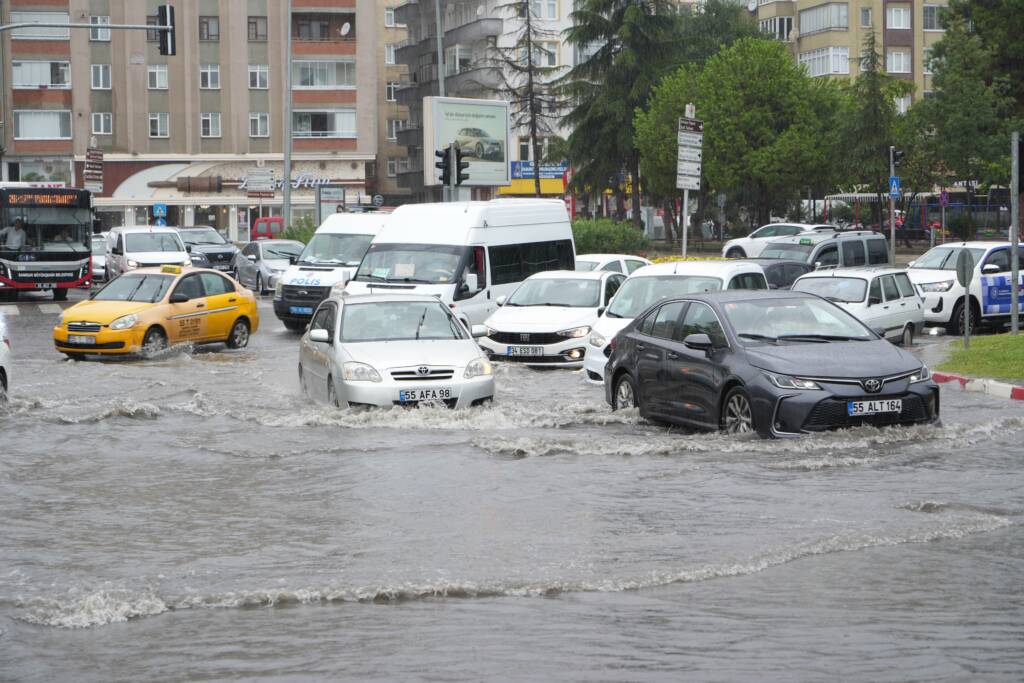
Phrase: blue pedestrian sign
[894,187]
[159,211]
[160,221]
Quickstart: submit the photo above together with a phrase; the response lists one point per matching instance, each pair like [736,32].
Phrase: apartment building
[828,37]
[184,131]
[392,76]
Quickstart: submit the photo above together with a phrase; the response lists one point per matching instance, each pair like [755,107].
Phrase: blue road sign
[159,211]
[160,221]
[894,186]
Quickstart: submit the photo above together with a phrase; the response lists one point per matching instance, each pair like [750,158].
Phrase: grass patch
[1000,356]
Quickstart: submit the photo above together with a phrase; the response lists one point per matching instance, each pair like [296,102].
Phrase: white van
[330,259]
[141,247]
[469,254]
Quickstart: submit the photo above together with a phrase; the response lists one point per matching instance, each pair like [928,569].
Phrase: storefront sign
[523,170]
[253,181]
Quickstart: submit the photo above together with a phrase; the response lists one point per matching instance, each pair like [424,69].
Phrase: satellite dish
[345,28]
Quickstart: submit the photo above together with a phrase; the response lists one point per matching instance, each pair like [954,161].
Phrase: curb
[982,386]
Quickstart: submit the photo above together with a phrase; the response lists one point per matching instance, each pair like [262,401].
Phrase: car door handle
[200,305]
[641,347]
[232,300]
[673,356]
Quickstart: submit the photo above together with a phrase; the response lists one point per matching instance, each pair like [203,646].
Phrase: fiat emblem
[872,386]
[423,370]
[524,337]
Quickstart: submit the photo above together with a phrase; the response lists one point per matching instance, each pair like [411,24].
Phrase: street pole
[438,26]
[1015,234]
[686,218]
[286,187]
[892,210]
[453,174]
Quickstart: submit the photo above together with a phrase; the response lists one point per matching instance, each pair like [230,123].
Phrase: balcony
[405,13]
[482,79]
[411,135]
[472,32]
[323,27]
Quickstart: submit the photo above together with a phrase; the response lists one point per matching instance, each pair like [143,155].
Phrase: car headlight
[277,290]
[359,372]
[337,288]
[575,332]
[937,286]
[923,374]
[597,340]
[477,368]
[133,264]
[197,257]
[124,322]
[787,382]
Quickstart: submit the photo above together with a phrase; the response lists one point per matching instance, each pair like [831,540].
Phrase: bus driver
[13,237]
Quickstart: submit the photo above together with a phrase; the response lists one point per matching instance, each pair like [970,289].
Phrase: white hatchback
[882,298]
[617,263]
[753,244]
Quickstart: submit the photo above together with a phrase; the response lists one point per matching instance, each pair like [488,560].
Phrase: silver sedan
[391,349]
[260,263]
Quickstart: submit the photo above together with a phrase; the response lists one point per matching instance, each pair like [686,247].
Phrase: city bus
[45,240]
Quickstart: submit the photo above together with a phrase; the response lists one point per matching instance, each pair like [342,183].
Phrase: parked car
[832,249]
[662,281]
[882,298]
[208,248]
[753,244]
[781,273]
[478,143]
[5,362]
[259,264]
[129,248]
[934,274]
[765,362]
[267,228]
[99,256]
[392,349]
[617,263]
[547,320]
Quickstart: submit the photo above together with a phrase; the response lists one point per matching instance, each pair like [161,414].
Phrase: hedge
[606,236]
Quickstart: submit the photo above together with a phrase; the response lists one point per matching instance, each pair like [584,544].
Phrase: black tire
[3,387]
[735,252]
[75,356]
[479,150]
[624,394]
[907,339]
[332,396]
[737,414]
[154,341]
[956,321]
[238,338]
[302,382]
[60,295]
[259,284]
[294,325]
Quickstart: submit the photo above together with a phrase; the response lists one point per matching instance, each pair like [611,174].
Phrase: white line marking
[50,308]
[10,310]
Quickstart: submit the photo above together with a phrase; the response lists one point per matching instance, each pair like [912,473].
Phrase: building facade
[828,37]
[392,76]
[185,130]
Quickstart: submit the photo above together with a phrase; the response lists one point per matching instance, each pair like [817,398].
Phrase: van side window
[853,253]
[906,287]
[478,266]
[506,264]
[828,256]
[516,262]
[878,251]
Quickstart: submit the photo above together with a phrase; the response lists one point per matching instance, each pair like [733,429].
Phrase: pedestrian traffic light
[460,166]
[897,156]
[167,42]
[443,165]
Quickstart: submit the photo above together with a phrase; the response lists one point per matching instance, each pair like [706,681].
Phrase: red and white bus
[45,239]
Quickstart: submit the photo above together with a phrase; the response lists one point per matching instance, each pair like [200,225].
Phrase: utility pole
[439,29]
[1015,233]
[892,208]
[286,186]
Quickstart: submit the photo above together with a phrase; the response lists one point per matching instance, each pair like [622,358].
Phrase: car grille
[433,374]
[300,294]
[222,257]
[89,347]
[84,327]
[832,413]
[527,338]
[533,359]
[448,402]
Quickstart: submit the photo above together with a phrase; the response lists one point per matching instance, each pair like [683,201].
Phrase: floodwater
[195,517]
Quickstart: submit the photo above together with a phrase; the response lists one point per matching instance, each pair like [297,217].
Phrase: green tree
[998,26]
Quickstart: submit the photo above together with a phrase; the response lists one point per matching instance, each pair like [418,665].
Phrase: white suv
[141,247]
[753,244]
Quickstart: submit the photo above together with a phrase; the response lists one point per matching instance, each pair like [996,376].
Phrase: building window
[40,32]
[159,125]
[209,28]
[824,18]
[152,36]
[902,104]
[389,17]
[259,125]
[389,53]
[259,78]
[102,123]
[100,77]
[340,123]
[392,165]
[209,125]
[931,18]
[898,17]
[457,58]
[51,124]
[926,61]
[826,61]
[33,75]
[324,26]
[544,9]
[865,17]
[897,61]
[403,164]
[395,125]
[209,76]
[778,28]
[157,76]
[391,91]
[313,75]
[257,29]
[99,34]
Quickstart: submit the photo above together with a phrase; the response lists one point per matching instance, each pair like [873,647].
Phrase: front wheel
[908,336]
[332,395]
[259,284]
[736,252]
[737,414]
[239,337]
[624,397]
[154,341]
[60,295]
[958,320]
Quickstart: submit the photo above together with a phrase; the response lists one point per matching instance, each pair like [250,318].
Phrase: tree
[998,26]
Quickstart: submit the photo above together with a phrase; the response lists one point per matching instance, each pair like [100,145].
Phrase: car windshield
[637,294]
[788,250]
[846,289]
[335,249]
[148,288]
[557,292]
[585,265]
[418,263]
[398,321]
[793,320]
[152,241]
[201,236]
[945,258]
[282,250]
[99,245]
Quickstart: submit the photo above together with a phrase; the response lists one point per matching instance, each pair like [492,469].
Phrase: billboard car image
[480,128]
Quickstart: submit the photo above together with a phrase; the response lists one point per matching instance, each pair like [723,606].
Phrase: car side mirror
[478,331]
[700,342]
[501,300]
[880,331]
[471,282]
[817,264]
[911,264]
[188,248]
[179,298]
[251,257]
[600,311]
[322,336]
[990,268]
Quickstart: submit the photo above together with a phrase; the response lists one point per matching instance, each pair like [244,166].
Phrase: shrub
[301,229]
[673,259]
[606,236]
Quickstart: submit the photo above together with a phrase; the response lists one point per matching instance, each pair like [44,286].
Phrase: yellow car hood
[104,312]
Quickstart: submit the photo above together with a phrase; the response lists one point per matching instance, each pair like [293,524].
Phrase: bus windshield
[48,229]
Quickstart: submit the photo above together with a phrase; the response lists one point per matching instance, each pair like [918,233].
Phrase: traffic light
[168,42]
[897,156]
[443,165]
[460,166]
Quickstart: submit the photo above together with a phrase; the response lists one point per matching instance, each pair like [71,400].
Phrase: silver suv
[832,249]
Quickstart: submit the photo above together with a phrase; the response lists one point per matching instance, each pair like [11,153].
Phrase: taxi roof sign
[806,240]
[176,270]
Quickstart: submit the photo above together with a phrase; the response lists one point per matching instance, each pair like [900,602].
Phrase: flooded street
[195,517]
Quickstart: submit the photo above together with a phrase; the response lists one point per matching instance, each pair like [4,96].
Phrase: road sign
[689,155]
[159,211]
[259,183]
[944,199]
[688,168]
[687,182]
[161,221]
[92,173]
[964,268]
[378,200]
[894,187]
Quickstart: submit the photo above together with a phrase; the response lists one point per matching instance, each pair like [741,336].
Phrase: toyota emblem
[423,370]
[872,386]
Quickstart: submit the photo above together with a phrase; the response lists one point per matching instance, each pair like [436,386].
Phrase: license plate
[424,394]
[891,405]
[301,310]
[45,285]
[222,266]
[525,351]
[81,339]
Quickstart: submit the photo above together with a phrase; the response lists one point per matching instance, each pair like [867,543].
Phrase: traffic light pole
[453,179]
[1015,234]
[892,209]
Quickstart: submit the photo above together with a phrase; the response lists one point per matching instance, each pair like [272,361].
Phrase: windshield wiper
[823,338]
[757,337]
[360,276]
[409,279]
[422,318]
[612,315]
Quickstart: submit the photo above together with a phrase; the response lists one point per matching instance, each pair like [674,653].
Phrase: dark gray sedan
[775,363]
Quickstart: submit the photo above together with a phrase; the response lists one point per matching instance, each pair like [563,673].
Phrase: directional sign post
[92,174]
[964,275]
[690,140]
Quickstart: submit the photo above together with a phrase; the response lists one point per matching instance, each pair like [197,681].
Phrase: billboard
[481,130]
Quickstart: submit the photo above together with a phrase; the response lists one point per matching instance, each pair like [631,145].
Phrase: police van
[330,259]
[471,255]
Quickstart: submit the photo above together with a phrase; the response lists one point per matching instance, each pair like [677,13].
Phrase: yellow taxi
[147,309]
